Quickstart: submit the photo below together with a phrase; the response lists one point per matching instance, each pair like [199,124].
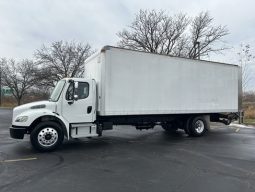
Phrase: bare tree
[177,35]
[60,60]
[245,59]
[19,76]
[154,32]
[206,34]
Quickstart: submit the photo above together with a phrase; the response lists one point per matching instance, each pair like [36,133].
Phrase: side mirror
[75,97]
[72,92]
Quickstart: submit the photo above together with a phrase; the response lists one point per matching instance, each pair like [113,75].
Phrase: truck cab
[70,112]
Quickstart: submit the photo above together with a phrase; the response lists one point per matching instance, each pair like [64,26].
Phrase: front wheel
[47,136]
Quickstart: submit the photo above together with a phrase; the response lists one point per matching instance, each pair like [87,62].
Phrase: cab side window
[83,90]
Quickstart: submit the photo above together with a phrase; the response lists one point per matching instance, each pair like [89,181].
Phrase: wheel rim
[47,137]
[199,126]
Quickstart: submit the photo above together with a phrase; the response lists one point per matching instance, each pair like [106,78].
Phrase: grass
[249,121]
[9,104]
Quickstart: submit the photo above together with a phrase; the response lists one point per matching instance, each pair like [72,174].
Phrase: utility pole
[0,84]
[197,49]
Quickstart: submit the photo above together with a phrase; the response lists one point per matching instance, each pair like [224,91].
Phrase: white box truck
[126,87]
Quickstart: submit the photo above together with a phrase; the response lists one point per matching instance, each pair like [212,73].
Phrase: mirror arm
[70,102]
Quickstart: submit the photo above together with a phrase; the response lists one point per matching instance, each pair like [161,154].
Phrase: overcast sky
[27,24]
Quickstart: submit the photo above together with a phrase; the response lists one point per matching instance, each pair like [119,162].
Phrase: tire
[47,136]
[197,126]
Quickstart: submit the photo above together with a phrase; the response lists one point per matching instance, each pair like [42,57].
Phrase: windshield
[57,91]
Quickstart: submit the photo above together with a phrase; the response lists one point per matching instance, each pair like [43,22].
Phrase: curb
[242,126]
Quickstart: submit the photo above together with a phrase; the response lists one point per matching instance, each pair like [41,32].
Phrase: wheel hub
[199,126]
[47,137]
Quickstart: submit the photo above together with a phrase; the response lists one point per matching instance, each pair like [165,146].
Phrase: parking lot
[126,159]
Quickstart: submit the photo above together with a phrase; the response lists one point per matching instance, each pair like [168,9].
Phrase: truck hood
[39,105]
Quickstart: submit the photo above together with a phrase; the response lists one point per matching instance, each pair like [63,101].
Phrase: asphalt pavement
[127,160]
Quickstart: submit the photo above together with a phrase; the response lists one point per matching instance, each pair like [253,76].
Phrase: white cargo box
[135,83]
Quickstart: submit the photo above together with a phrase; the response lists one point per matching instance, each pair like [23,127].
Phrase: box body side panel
[141,83]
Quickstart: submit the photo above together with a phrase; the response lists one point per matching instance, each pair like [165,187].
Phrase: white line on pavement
[16,160]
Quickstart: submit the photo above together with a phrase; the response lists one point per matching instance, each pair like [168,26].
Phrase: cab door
[79,103]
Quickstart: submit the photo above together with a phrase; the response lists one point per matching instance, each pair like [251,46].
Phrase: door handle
[89,109]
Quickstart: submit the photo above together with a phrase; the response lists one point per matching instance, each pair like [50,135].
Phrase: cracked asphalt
[125,159]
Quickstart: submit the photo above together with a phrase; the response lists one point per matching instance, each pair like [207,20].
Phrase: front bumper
[17,132]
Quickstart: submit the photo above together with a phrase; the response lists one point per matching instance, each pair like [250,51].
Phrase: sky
[27,24]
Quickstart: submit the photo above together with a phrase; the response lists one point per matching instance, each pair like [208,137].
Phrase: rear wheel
[47,136]
[197,126]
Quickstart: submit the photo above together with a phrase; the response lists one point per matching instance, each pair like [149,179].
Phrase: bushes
[249,105]
[10,101]
[249,110]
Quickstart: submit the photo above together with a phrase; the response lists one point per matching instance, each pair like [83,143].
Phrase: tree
[176,35]
[203,31]
[19,76]
[245,59]
[60,60]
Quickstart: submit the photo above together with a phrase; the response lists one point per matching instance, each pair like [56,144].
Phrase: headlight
[21,119]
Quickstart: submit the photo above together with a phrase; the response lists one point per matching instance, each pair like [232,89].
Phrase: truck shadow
[148,138]
[84,144]
[110,141]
